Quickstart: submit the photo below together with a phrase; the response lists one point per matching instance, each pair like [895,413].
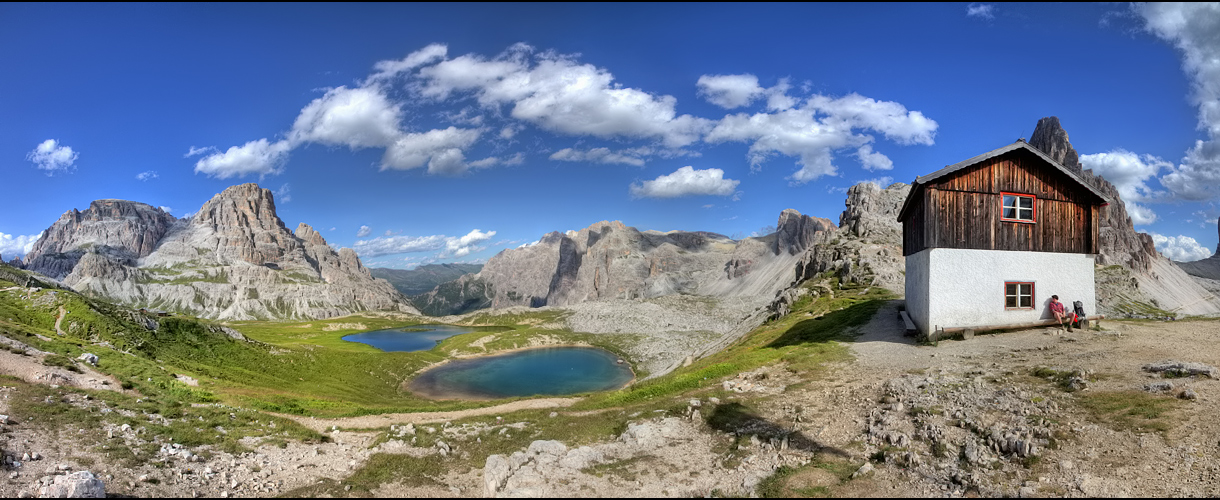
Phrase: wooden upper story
[1012,198]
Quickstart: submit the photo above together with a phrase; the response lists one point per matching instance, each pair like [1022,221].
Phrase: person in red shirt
[1060,315]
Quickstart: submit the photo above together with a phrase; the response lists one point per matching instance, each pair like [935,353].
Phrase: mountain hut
[988,240]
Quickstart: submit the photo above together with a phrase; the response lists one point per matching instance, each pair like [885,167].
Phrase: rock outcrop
[1160,282]
[122,230]
[233,260]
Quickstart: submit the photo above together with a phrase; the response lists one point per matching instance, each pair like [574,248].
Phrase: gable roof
[1020,144]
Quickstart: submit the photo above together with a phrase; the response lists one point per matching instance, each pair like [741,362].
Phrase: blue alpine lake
[551,371]
[408,338]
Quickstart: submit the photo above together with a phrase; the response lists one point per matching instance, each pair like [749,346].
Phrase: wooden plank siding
[962,210]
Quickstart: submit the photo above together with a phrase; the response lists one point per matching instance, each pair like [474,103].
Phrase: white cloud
[448,246]
[359,117]
[198,151]
[686,181]
[599,155]
[813,131]
[881,182]
[166,209]
[255,157]
[1180,248]
[983,10]
[364,231]
[871,160]
[389,69]
[440,149]
[1194,28]
[1140,215]
[388,245]
[530,244]
[557,94]
[709,205]
[146,175]
[332,229]
[1128,172]
[49,155]
[729,91]
[283,194]
[461,247]
[492,161]
[16,245]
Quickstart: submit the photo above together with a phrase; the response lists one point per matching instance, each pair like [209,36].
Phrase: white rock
[81,484]
[496,472]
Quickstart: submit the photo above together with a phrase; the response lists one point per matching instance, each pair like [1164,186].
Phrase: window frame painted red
[1033,211]
[1033,301]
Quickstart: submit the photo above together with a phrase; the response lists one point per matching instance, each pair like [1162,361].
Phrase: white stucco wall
[949,287]
[917,289]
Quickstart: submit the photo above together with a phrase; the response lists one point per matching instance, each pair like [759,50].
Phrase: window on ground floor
[1018,295]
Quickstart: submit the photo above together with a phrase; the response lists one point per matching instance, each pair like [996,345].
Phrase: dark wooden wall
[962,209]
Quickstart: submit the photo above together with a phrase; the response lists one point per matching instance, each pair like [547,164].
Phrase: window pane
[1026,202]
[1025,213]
[1010,301]
[1010,213]
[1010,289]
[1027,301]
[1027,289]
[1010,201]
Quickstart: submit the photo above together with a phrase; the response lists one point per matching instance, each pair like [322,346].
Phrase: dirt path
[374,421]
[62,312]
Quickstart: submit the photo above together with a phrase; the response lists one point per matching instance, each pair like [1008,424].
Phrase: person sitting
[1060,315]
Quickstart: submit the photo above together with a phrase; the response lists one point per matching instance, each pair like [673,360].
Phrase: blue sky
[452,132]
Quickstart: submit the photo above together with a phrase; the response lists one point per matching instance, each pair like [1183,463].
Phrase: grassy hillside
[423,278]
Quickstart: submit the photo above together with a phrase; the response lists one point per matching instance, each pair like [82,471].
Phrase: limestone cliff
[233,260]
[1159,281]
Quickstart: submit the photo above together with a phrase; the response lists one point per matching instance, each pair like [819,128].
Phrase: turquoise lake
[409,338]
[551,371]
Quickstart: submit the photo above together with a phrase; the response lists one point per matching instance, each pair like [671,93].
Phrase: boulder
[80,484]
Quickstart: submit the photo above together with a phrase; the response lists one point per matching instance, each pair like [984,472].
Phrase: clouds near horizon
[686,181]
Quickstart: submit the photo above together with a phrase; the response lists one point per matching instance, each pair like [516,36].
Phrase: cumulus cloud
[1140,215]
[729,91]
[364,231]
[447,246]
[388,69]
[686,181]
[822,125]
[359,117]
[600,155]
[465,245]
[1180,248]
[49,155]
[165,209]
[881,182]
[558,94]
[440,149]
[1128,172]
[983,10]
[260,157]
[146,175]
[1193,28]
[872,160]
[16,245]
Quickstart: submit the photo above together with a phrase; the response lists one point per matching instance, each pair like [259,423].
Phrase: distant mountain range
[423,278]
[233,260]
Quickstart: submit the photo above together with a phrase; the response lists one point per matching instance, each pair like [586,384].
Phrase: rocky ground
[1028,413]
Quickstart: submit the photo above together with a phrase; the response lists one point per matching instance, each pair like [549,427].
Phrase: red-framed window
[1016,207]
[1018,295]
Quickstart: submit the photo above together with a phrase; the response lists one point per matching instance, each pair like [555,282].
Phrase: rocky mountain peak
[795,232]
[309,235]
[125,230]
[870,211]
[1050,138]
[1119,243]
[240,206]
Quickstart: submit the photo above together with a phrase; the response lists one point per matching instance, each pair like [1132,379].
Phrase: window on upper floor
[1018,295]
[1018,207]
